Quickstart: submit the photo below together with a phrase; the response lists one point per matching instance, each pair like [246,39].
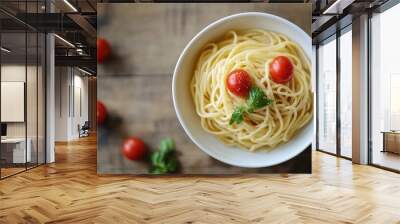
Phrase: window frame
[381,9]
[334,37]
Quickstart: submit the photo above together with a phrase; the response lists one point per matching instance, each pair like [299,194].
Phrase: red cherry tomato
[101,113]
[103,50]
[134,148]
[239,82]
[281,69]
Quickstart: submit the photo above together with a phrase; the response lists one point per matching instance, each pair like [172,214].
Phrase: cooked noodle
[252,51]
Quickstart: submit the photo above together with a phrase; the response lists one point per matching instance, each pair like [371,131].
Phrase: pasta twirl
[253,51]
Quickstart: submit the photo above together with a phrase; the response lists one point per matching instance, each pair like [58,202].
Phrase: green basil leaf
[157,170]
[237,115]
[172,165]
[257,99]
[167,145]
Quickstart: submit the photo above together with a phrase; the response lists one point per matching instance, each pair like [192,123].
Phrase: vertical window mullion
[37,90]
[317,96]
[26,87]
[369,72]
[338,73]
[0,96]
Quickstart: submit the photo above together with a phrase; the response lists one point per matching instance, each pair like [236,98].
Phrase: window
[385,89]
[346,93]
[327,96]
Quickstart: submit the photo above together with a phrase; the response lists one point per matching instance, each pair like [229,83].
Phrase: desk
[391,141]
[18,150]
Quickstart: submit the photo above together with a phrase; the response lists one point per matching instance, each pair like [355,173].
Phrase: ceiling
[40,5]
[76,22]
[330,16]
[72,20]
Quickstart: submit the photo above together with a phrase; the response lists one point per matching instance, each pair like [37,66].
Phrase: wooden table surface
[146,40]
[70,191]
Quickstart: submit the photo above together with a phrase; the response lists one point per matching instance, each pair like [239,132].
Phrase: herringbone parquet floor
[69,191]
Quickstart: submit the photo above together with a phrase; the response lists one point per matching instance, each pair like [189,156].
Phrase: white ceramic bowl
[185,108]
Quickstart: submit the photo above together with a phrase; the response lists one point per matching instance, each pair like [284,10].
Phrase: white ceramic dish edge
[235,156]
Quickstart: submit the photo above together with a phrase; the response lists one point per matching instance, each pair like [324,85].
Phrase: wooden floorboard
[69,191]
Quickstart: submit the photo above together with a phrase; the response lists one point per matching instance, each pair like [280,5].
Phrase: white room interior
[71,102]
[358,80]
[32,116]
[20,83]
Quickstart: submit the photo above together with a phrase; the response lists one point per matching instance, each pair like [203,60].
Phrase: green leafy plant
[164,159]
[256,100]
[238,115]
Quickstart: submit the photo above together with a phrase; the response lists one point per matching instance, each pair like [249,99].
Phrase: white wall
[9,73]
[62,81]
[12,73]
[81,102]
[50,95]
[12,101]
[70,83]
[33,127]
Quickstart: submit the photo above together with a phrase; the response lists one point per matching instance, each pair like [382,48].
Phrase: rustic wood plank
[70,191]
[147,38]
[136,84]
[146,110]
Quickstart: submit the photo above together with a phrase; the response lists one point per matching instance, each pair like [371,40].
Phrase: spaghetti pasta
[252,51]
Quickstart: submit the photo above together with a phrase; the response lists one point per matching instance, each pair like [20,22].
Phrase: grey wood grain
[135,85]
[147,38]
[144,105]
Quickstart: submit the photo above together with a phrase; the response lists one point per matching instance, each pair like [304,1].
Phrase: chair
[84,130]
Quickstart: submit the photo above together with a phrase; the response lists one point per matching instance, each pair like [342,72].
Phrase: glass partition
[14,153]
[22,101]
[41,109]
[32,96]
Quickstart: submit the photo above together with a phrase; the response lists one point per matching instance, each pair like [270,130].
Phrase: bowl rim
[178,65]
